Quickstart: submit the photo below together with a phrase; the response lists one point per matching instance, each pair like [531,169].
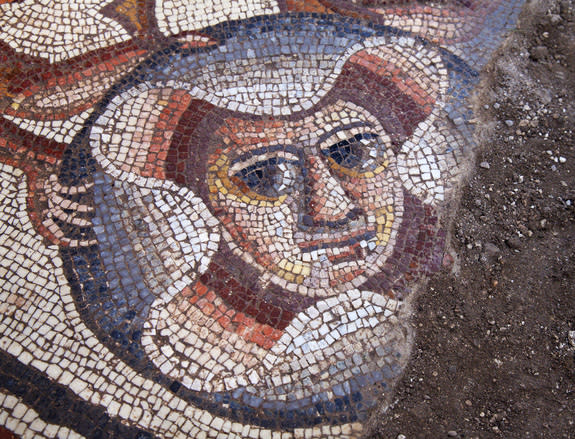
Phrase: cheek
[238,218]
[371,194]
[252,226]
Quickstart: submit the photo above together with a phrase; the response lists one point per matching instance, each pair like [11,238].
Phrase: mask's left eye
[352,152]
[271,177]
[358,154]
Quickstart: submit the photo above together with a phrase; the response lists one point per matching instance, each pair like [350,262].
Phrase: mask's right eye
[271,177]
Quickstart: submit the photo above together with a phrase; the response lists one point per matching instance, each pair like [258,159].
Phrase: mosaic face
[313,207]
[241,221]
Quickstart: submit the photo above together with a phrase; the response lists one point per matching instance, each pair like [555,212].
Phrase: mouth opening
[353,240]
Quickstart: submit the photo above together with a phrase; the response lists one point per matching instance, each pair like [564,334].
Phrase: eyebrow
[294,150]
[267,149]
[330,133]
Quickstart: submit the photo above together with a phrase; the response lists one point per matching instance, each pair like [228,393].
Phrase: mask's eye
[271,177]
[360,154]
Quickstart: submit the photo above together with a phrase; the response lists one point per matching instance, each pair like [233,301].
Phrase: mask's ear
[130,140]
[427,159]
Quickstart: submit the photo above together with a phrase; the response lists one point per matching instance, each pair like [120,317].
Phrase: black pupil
[265,177]
[350,153]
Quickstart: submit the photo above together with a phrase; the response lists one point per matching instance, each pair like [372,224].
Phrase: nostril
[350,216]
[354,214]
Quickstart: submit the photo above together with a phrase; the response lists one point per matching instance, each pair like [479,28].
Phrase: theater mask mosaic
[216,215]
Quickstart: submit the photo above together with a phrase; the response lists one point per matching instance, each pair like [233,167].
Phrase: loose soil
[494,355]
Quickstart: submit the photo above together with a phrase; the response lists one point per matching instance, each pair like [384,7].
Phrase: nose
[326,202]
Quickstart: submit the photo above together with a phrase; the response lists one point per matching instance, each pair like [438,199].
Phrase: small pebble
[540,52]
[555,18]
[523,123]
[514,242]
[491,249]
[484,165]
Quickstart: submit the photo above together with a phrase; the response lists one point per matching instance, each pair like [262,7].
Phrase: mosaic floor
[215,215]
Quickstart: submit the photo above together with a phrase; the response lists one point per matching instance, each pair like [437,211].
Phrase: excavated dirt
[495,348]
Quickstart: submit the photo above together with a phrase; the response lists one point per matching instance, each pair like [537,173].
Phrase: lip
[349,240]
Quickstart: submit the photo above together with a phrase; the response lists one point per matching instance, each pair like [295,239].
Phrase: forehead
[293,63]
[241,135]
